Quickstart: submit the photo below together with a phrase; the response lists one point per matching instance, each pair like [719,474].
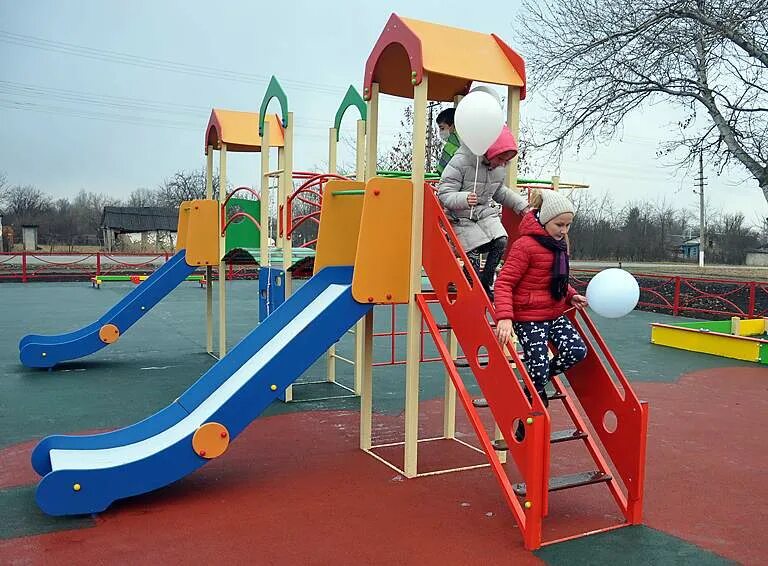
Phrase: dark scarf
[560,268]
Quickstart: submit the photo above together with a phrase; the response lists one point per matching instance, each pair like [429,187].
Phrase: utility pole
[702,227]
[430,125]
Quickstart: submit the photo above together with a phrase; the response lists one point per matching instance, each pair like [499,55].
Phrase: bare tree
[596,61]
[399,157]
[23,204]
[185,185]
[143,197]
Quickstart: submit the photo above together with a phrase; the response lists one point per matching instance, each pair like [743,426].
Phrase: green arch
[352,98]
[274,90]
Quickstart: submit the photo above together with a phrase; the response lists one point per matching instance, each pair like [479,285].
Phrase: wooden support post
[209,268]
[413,338]
[264,196]
[287,178]
[449,404]
[364,329]
[372,133]
[360,175]
[366,386]
[360,151]
[513,123]
[332,150]
[330,371]
[222,265]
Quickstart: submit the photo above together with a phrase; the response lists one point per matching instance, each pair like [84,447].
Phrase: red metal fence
[693,296]
[675,295]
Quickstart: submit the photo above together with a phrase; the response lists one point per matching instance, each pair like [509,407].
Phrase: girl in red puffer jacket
[532,291]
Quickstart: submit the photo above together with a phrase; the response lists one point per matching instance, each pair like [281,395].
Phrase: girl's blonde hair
[535,199]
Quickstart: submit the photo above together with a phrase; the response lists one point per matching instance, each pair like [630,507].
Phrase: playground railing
[691,296]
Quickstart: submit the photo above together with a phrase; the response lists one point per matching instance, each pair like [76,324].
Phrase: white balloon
[478,121]
[613,293]
[489,90]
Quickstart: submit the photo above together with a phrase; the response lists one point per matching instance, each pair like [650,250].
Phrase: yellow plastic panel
[706,342]
[198,231]
[339,224]
[752,327]
[384,245]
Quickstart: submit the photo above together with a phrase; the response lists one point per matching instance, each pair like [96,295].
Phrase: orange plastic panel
[210,440]
[339,224]
[109,333]
[198,231]
[384,245]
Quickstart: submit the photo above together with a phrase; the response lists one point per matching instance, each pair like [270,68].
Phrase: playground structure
[735,338]
[354,270]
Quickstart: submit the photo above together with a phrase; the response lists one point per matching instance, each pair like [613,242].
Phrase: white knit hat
[553,204]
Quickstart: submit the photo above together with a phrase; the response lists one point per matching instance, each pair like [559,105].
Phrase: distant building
[120,222]
[758,257]
[690,248]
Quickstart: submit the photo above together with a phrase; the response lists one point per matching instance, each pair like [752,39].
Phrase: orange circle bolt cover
[389,296]
[109,333]
[370,299]
[376,192]
[210,440]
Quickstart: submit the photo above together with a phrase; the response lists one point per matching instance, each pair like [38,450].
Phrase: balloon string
[474,186]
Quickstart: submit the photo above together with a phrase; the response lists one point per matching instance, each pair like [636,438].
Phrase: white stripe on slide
[73,459]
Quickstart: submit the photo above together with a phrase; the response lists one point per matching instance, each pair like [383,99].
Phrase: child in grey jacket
[473,209]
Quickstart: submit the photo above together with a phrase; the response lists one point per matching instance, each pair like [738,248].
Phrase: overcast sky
[110,96]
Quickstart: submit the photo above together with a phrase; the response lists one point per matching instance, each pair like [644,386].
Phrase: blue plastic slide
[38,351]
[85,474]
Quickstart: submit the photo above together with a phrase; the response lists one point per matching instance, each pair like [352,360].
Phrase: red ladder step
[558,483]
[556,437]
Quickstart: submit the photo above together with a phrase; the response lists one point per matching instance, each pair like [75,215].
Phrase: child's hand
[579,301]
[503,331]
[472,199]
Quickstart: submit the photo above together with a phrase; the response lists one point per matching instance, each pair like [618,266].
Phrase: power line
[158,64]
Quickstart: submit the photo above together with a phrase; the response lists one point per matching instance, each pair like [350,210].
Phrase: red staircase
[499,374]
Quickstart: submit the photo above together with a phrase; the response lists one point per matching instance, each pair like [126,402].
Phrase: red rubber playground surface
[295,488]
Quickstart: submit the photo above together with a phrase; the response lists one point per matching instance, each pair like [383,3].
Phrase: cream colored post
[222,264]
[332,150]
[280,194]
[264,196]
[413,338]
[366,387]
[498,436]
[360,336]
[449,403]
[331,357]
[513,122]
[360,151]
[556,182]
[287,177]
[364,332]
[735,325]
[372,132]
[209,268]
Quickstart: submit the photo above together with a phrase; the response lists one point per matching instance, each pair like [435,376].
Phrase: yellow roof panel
[462,53]
[240,130]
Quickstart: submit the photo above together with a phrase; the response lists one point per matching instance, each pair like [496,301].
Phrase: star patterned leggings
[533,338]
